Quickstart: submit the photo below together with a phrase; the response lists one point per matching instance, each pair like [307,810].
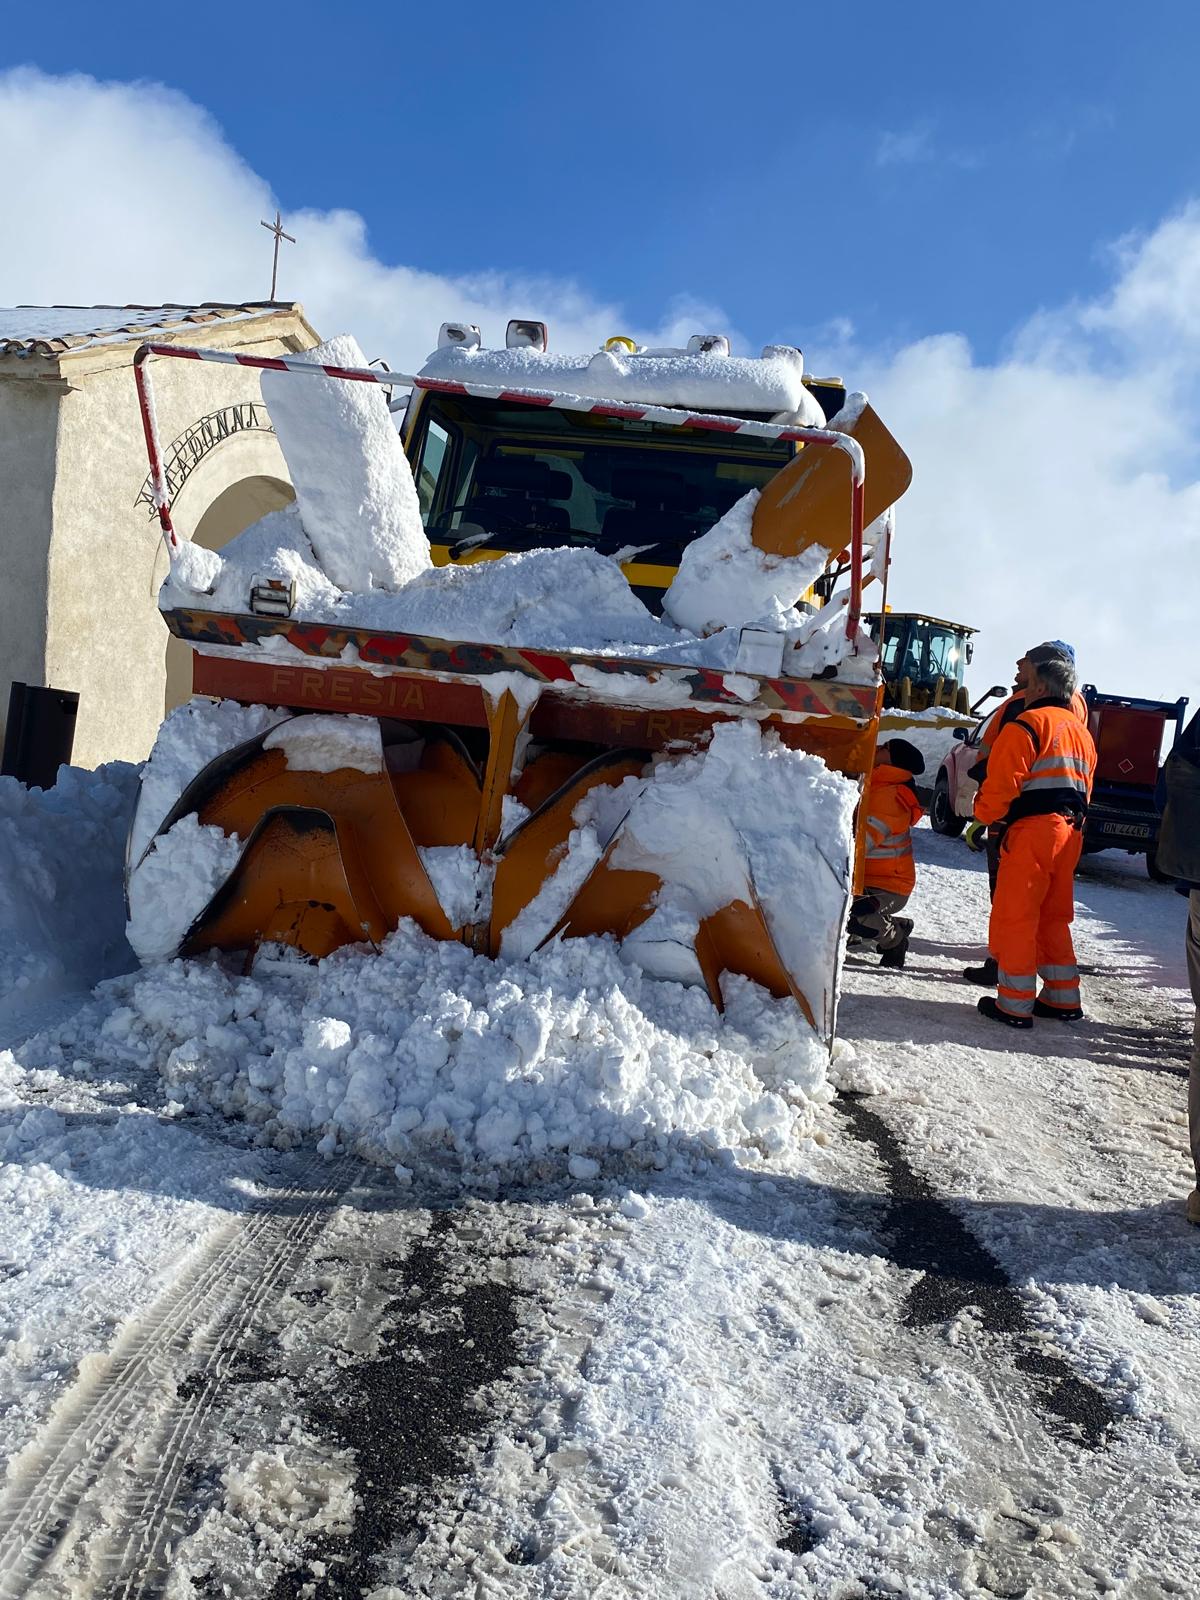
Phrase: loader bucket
[333,858]
[804,504]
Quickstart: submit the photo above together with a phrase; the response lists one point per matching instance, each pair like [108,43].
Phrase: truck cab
[496,476]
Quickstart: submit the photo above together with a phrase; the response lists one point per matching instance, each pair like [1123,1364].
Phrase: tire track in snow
[96,1457]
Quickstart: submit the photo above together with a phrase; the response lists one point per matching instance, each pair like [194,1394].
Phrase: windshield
[920,651]
[522,476]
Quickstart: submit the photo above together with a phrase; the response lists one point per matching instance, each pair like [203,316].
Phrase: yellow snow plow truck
[729,491]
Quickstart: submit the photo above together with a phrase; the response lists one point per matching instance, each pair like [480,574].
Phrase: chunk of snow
[181,872]
[725,581]
[354,487]
[189,738]
[194,568]
[328,744]
[746,816]
[750,817]
[460,880]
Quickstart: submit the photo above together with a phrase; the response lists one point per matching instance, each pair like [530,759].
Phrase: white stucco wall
[28,431]
[104,636]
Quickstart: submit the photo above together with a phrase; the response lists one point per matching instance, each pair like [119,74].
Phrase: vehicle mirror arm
[989,694]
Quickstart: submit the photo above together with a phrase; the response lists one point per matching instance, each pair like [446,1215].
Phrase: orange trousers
[1034,906]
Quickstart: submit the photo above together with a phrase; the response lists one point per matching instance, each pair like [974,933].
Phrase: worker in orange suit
[988,839]
[1038,784]
[893,810]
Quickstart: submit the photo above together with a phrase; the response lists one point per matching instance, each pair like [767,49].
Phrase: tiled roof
[55,330]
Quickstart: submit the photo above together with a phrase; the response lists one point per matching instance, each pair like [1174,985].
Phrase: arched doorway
[233,510]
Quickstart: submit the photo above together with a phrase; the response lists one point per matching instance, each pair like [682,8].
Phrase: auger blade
[532,853]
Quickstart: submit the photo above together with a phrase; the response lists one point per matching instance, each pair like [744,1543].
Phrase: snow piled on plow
[423,1052]
[359,505]
[709,823]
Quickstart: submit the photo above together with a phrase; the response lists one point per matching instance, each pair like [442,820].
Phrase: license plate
[1127,830]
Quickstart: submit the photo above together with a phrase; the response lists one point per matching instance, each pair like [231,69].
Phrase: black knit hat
[903,754]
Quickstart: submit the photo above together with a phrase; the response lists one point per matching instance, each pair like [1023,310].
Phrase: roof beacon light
[622,341]
[466,334]
[708,344]
[526,335]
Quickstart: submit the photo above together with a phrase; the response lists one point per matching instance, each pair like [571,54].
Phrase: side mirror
[961,733]
[970,651]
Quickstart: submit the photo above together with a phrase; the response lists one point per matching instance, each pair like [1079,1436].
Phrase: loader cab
[495,477]
[923,659]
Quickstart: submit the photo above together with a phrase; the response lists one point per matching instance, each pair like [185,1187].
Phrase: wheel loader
[923,660]
[494,748]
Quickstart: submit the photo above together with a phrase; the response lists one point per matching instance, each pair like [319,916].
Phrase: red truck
[1129,735]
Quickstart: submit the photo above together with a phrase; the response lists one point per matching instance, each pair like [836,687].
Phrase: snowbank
[62,911]
[354,489]
[425,1054]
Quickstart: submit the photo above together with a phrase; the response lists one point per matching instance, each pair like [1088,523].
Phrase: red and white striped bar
[667,416]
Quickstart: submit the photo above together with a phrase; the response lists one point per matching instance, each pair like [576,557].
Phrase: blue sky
[908,167]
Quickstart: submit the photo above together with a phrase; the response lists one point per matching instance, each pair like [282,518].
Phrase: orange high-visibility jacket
[892,810]
[1008,710]
[1042,762]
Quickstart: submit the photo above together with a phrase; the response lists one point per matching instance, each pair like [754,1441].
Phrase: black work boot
[895,956]
[1059,1013]
[988,1008]
[986,975]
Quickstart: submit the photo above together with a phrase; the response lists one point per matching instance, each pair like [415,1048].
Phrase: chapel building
[81,554]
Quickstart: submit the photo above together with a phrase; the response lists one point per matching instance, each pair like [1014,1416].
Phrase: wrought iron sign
[200,439]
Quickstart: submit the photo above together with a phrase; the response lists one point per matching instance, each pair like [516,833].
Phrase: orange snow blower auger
[472,736]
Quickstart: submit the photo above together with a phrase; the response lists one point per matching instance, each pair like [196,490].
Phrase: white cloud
[903,148]
[1055,490]
[129,193]
[916,146]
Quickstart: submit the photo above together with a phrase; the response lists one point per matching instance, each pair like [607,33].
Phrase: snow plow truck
[719,493]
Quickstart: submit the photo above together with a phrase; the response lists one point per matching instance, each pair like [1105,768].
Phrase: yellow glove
[976,836]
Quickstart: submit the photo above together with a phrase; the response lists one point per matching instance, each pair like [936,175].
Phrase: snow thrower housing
[492,748]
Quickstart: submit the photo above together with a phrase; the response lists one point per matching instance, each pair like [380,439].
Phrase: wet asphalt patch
[926,1235]
[407,1412]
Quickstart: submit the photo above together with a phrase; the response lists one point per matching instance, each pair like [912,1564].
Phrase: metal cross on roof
[276,228]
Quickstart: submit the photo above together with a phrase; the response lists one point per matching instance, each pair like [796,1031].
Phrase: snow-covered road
[950,1346]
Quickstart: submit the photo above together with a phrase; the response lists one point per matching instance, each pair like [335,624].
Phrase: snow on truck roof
[768,384]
